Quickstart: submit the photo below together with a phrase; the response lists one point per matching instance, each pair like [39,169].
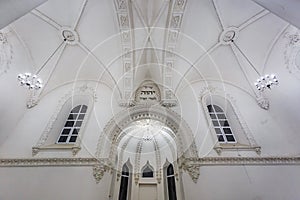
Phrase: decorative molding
[148,93]
[174,23]
[192,168]
[229,35]
[232,161]
[184,136]
[292,52]
[235,147]
[56,147]
[100,168]
[125,23]
[5,52]
[189,165]
[32,99]
[263,102]
[137,159]
[48,162]
[91,162]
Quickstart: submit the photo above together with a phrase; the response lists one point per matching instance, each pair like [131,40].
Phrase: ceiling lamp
[31,81]
[264,81]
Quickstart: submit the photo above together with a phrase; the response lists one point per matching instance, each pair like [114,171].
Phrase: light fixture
[264,81]
[31,81]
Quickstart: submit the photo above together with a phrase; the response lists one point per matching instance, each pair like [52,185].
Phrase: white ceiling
[98,55]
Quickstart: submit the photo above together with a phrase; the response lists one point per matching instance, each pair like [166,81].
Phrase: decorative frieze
[125,28]
[48,162]
[208,161]
[5,53]
[292,52]
[172,32]
[189,165]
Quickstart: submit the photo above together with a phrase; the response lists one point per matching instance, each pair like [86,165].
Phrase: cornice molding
[48,162]
[208,161]
[245,161]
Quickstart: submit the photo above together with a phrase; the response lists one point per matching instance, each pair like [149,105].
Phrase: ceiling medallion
[229,35]
[69,36]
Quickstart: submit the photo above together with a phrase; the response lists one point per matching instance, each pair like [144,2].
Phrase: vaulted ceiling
[122,43]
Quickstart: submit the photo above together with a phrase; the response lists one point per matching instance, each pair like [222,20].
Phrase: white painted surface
[13,9]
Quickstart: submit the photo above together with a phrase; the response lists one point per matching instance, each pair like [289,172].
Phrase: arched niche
[111,135]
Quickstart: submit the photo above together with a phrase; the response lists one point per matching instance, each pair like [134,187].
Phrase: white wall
[244,182]
[52,183]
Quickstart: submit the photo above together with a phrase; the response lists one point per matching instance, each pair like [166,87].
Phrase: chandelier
[264,81]
[31,81]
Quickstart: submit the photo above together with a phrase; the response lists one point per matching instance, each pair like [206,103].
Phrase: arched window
[171,182]
[147,171]
[124,183]
[72,126]
[221,124]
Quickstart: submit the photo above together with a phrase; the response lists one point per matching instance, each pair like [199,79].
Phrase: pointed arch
[147,171]
[125,184]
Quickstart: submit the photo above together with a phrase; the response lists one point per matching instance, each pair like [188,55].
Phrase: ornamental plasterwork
[184,135]
[5,53]
[207,161]
[209,92]
[137,163]
[100,168]
[83,90]
[125,27]
[190,165]
[147,93]
[292,52]
[192,168]
[172,31]
[263,102]
[158,159]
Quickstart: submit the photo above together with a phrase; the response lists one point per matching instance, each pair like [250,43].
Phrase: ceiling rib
[46,19]
[150,28]
[198,60]
[82,8]
[89,52]
[253,19]
[220,20]
[52,71]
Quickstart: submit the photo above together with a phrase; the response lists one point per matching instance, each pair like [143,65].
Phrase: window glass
[72,126]
[221,124]
[147,172]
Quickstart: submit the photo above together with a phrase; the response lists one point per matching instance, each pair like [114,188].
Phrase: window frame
[48,140]
[244,139]
[74,126]
[216,111]
[147,166]
[126,177]
[170,178]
